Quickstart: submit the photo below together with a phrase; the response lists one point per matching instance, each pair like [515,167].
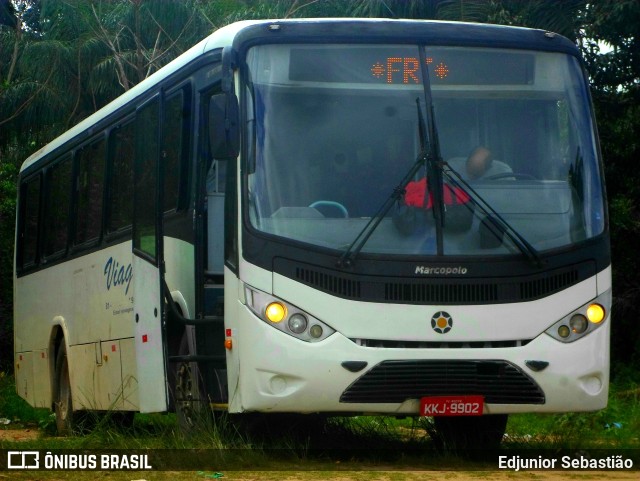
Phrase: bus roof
[344,29]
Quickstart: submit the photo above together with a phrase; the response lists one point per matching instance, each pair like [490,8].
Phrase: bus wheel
[469,433]
[63,405]
[190,400]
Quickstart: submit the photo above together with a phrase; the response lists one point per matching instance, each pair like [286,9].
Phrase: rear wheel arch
[57,340]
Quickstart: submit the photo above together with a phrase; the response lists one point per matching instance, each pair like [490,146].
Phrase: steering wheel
[509,175]
[331,203]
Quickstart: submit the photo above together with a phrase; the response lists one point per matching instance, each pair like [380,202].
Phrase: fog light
[578,323]
[315,331]
[276,312]
[595,313]
[564,331]
[298,323]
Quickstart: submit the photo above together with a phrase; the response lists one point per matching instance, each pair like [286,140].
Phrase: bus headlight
[595,313]
[316,331]
[583,320]
[298,323]
[275,312]
[578,323]
[286,317]
[564,331]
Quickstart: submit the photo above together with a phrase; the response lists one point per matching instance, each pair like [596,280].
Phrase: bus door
[147,261]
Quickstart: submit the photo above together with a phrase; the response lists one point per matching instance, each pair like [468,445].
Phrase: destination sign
[401,65]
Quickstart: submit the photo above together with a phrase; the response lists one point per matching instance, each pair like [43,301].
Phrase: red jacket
[415,192]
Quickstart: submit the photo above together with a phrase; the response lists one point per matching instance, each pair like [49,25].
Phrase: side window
[120,213]
[30,220]
[91,164]
[58,200]
[146,177]
[174,152]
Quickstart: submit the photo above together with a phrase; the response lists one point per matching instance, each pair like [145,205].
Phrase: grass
[617,426]
[17,411]
[311,442]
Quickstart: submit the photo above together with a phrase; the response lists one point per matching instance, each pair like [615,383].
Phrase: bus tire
[469,433]
[63,405]
[190,400]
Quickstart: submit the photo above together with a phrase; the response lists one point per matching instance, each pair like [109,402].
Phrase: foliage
[16,409]
[306,440]
[616,426]
[64,59]
[616,90]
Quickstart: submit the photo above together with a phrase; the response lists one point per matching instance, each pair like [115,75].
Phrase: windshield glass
[335,129]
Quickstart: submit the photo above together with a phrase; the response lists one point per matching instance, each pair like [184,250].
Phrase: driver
[479,165]
[480,160]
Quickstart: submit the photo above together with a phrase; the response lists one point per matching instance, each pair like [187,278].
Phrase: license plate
[452,406]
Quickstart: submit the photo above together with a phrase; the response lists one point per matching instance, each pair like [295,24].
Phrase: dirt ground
[337,476]
[17,435]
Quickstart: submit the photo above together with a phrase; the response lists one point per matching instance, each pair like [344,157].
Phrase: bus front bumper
[279,373]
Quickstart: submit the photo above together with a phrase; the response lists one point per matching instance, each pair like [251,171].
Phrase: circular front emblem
[441,322]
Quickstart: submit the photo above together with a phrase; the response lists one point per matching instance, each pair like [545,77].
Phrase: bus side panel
[179,262]
[103,376]
[41,388]
[82,376]
[234,295]
[130,400]
[109,375]
[24,376]
[94,309]
[149,353]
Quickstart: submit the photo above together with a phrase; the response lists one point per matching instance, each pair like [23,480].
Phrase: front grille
[393,344]
[335,284]
[433,290]
[546,285]
[499,382]
[441,292]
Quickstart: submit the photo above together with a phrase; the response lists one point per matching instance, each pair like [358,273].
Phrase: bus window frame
[186,89]
[47,258]
[21,265]
[138,250]
[126,230]
[76,246]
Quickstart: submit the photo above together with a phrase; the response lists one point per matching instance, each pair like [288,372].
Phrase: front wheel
[190,399]
[467,433]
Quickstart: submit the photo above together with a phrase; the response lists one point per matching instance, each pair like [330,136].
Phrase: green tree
[615,78]
[67,59]
[63,59]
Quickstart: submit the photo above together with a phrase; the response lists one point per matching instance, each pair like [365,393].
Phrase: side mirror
[224,131]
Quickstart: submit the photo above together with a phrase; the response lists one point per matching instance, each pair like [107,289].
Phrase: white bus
[287,219]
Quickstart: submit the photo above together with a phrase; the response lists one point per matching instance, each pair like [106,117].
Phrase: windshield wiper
[348,257]
[435,173]
[498,223]
[431,160]
[429,157]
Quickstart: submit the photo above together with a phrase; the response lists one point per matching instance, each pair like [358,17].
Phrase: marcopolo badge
[441,322]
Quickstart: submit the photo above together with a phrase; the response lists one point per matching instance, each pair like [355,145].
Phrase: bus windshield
[335,130]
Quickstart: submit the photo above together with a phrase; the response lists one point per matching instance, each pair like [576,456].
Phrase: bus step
[199,358]
[214,279]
